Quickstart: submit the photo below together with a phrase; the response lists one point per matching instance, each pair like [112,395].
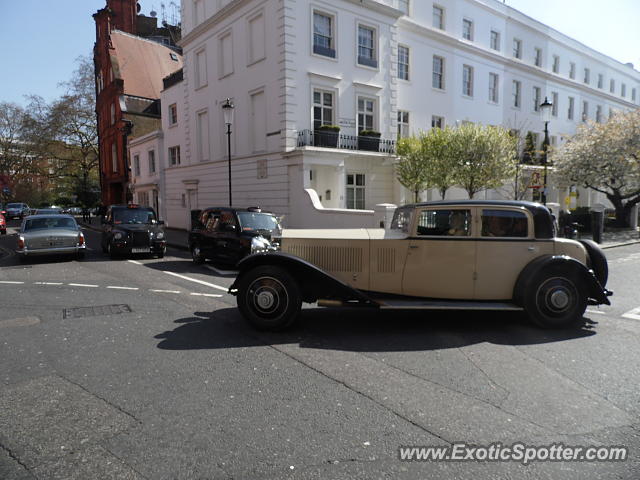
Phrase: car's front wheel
[196,255]
[269,298]
[556,299]
[112,254]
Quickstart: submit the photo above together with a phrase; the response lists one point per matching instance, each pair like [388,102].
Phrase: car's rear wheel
[196,255]
[269,298]
[556,299]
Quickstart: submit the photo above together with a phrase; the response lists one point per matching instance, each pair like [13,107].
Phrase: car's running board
[421,304]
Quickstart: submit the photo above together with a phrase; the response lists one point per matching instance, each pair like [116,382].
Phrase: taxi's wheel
[110,252]
[196,254]
[162,252]
[269,298]
[556,298]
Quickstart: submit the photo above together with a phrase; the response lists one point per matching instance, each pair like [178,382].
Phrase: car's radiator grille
[140,239]
[333,259]
[51,242]
[386,260]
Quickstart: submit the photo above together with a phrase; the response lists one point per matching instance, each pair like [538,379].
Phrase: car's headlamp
[118,235]
[259,244]
[160,235]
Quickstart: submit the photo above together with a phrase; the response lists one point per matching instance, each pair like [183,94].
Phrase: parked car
[128,229]
[17,210]
[50,235]
[49,211]
[3,225]
[227,235]
[471,255]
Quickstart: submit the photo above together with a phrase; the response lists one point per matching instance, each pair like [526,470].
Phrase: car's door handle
[532,249]
[413,246]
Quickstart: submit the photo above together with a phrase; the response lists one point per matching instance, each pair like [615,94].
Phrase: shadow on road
[362,330]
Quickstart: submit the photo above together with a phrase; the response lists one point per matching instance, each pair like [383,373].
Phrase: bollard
[597,225]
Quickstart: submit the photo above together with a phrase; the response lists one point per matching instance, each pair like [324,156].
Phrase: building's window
[113,113]
[403,124]
[201,68]
[556,64]
[467,29]
[585,110]
[553,140]
[202,132]
[534,138]
[517,94]
[587,75]
[599,114]
[225,55]
[437,122]
[570,109]
[623,90]
[554,104]
[114,158]
[198,12]
[467,80]
[438,17]
[633,94]
[403,62]
[517,48]
[174,155]
[403,6]
[366,114]
[536,99]
[152,161]
[257,50]
[173,114]
[355,190]
[322,108]
[494,81]
[136,165]
[612,86]
[537,57]
[572,70]
[183,200]
[600,80]
[258,122]
[495,40]
[323,40]
[438,72]
[367,46]
[611,112]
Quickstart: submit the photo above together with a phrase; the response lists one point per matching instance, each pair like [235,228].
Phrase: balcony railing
[326,139]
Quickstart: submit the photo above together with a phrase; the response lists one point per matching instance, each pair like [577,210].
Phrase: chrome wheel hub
[265,300]
[559,299]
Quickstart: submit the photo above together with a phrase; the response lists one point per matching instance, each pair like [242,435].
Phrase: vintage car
[50,235]
[471,255]
[132,228]
[227,235]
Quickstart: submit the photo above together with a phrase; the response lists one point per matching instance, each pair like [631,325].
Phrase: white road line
[206,295]
[123,288]
[598,312]
[221,272]
[136,262]
[164,291]
[224,289]
[47,283]
[82,285]
[633,314]
[11,282]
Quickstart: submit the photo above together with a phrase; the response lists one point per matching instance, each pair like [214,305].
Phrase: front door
[442,255]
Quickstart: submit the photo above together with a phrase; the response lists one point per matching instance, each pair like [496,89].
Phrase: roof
[142,64]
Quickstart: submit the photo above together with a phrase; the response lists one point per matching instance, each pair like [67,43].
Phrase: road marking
[164,291]
[11,282]
[633,314]
[206,295]
[123,288]
[82,285]
[598,312]
[221,272]
[47,283]
[136,262]
[224,289]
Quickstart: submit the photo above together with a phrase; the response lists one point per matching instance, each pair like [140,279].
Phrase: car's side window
[226,218]
[212,222]
[504,223]
[445,223]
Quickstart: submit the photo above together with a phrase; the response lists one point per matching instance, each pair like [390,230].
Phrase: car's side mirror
[160,222]
[229,227]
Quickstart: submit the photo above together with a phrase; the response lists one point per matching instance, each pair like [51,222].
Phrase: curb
[615,245]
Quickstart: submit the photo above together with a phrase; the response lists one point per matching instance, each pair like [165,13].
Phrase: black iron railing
[328,139]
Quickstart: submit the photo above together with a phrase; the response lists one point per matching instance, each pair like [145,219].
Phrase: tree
[605,157]
[485,157]
[529,156]
[410,170]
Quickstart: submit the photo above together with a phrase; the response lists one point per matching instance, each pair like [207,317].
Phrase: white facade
[368,66]
[146,154]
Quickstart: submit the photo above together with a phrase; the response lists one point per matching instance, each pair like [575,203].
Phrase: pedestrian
[86,216]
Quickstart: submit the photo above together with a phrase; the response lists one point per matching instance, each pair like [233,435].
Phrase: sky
[39,44]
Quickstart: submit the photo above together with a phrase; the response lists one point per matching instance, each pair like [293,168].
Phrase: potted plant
[369,140]
[327,136]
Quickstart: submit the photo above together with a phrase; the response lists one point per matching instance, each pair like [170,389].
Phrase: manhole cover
[81,312]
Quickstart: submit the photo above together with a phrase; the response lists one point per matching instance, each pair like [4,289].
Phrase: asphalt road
[144,369]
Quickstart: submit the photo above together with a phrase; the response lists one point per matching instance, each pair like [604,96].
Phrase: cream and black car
[470,255]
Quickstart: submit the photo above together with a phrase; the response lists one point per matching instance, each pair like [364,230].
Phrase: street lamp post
[545,108]
[227,109]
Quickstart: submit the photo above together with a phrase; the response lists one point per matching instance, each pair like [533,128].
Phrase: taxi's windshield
[250,221]
[134,216]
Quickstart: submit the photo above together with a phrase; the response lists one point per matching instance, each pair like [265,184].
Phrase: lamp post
[545,108]
[227,109]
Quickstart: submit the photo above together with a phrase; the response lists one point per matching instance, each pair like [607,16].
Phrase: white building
[393,66]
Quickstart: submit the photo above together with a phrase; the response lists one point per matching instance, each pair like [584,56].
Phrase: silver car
[50,235]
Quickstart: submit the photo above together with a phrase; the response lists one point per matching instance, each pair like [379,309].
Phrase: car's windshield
[49,223]
[14,205]
[134,215]
[257,221]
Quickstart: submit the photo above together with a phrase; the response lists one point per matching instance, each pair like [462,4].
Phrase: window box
[324,51]
[327,136]
[369,140]
[368,62]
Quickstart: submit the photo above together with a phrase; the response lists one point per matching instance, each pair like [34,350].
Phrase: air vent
[386,260]
[329,258]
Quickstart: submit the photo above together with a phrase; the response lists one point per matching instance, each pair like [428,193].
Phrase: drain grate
[81,312]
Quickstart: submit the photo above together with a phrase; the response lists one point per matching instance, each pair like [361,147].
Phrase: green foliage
[369,133]
[329,128]
[529,152]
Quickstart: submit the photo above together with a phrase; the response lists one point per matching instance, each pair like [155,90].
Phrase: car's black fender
[595,290]
[314,283]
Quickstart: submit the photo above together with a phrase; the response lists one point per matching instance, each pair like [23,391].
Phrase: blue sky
[37,58]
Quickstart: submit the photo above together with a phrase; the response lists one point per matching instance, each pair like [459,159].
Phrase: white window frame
[554,103]
[151,161]
[221,54]
[173,119]
[251,59]
[612,86]
[404,117]
[201,77]
[374,47]
[322,91]
[585,110]
[203,145]
[494,87]
[469,22]
[537,56]
[572,70]
[600,81]
[598,113]
[556,64]
[623,90]
[494,43]
[571,108]
[136,165]
[537,96]
[405,7]
[441,24]
[174,160]
[374,123]
[587,76]
[407,64]
[442,73]
[516,93]
[333,38]
[437,121]
[467,83]
[355,188]
[517,48]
